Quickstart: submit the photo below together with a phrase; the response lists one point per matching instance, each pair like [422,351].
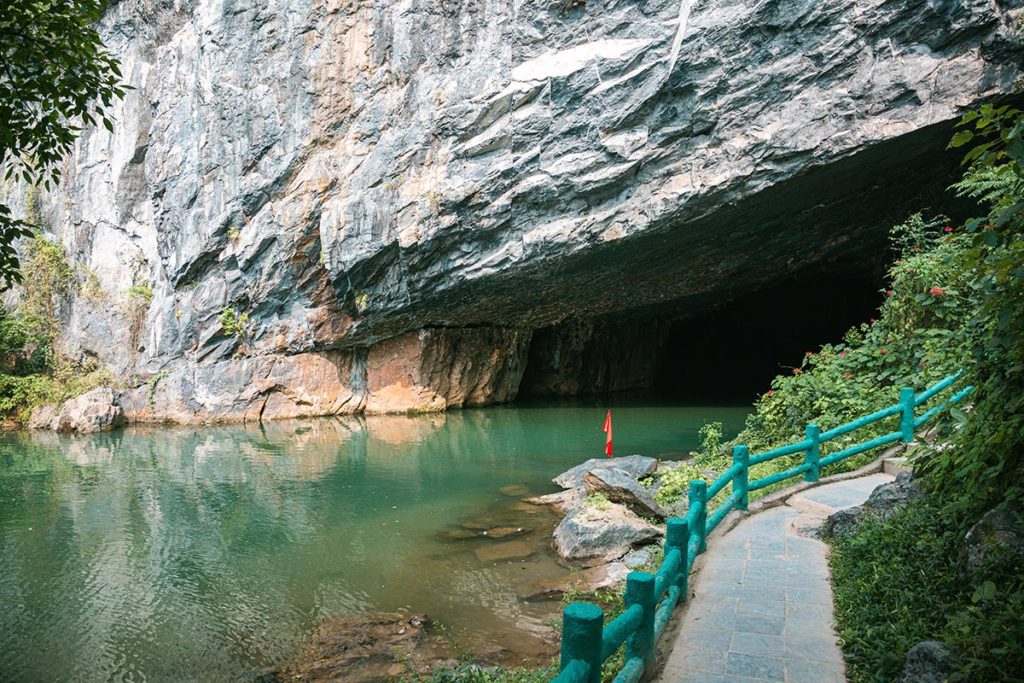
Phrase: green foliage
[143,292]
[921,335]
[985,468]
[956,300]
[598,501]
[49,281]
[54,76]
[675,482]
[235,324]
[467,672]
[31,372]
[19,392]
[896,584]
[711,440]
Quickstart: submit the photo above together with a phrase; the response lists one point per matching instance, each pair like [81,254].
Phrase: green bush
[956,301]
[235,324]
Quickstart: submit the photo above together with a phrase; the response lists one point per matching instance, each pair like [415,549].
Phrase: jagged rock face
[352,172]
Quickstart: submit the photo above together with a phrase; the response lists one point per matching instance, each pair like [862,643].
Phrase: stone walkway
[763,604]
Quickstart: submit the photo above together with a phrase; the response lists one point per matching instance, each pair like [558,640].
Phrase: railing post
[699,501]
[677,535]
[907,414]
[741,482]
[812,455]
[640,591]
[581,637]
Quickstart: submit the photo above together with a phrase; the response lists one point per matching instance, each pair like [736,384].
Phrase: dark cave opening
[726,354]
[730,354]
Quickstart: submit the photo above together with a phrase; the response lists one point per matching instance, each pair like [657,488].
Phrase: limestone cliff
[398,194]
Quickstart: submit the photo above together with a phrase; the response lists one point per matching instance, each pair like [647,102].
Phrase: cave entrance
[730,354]
[722,354]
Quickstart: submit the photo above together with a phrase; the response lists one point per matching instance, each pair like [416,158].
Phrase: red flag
[608,430]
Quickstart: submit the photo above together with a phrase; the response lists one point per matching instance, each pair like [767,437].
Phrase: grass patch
[896,584]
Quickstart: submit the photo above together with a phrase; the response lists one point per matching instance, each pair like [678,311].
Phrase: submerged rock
[619,487]
[506,531]
[590,534]
[929,662]
[512,550]
[94,411]
[367,647]
[636,466]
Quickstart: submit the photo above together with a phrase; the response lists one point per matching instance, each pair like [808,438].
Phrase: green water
[209,553]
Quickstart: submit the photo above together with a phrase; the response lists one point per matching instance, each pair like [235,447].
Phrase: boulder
[586,581]
[883,501]
[894,495]
[928,662]
[619,487]
[592,535]
[93,411]
[998,535]
[636,466]
[43,417]
[560,502]
[842,522]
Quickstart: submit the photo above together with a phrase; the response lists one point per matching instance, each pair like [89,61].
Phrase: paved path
[763,604]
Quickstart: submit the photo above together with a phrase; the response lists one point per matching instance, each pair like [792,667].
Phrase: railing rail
[650,598]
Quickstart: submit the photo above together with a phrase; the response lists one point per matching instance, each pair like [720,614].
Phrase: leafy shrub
[896,584]
[235,324]
[957,300]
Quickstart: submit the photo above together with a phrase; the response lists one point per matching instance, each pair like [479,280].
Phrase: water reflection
[208,553]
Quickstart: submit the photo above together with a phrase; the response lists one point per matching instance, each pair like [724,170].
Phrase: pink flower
[768,393]
[937,291]
[889,292]
[948,229]
[882,352]
[917,248]
[842,353]
[797,371]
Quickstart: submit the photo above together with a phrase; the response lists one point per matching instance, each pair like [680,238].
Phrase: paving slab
[762,609]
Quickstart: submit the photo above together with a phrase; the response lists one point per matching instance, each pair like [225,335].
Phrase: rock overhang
[353,174]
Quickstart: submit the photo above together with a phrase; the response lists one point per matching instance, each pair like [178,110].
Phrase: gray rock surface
[94,411]
[592,535]
[638,558]
[619,486]
[998,535]
[928,662]
[560,502]
[636,466]
[399,195]
[882,502]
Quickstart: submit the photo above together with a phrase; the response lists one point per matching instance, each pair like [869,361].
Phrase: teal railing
[649,600]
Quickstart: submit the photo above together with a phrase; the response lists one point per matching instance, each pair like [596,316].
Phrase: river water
[210,553]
